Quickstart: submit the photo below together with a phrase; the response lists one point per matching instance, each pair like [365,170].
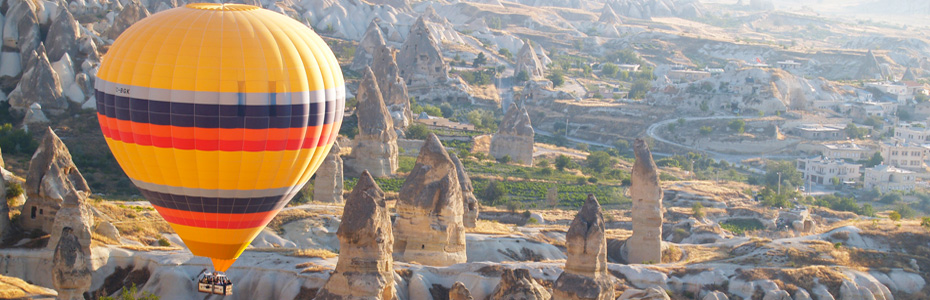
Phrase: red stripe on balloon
[215,220]
[312,139]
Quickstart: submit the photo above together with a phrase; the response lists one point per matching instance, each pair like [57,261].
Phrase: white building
[851,151]
[912,132]
[899,91]
[888,178]
[904,155]
[820,170]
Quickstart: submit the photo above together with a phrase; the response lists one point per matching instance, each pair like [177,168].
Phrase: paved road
[731,158]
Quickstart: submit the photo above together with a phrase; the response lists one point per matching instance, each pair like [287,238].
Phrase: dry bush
[102,239]
[671,254]
[313,253]
[287,216]
[149,248]
[490,227]
[309,267]
[139,223]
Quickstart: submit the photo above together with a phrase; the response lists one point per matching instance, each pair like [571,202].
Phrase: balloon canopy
[219,114]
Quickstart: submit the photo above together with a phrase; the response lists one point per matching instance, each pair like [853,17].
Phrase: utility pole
[779,183]
[692,169]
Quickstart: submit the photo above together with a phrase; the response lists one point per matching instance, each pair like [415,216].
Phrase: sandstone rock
[646,243]
[130,14]
[329,180]
[365,269]
[71,270]
[585,275]
[392,85]
[652,293]
[470,204]
[608,16]
[364,52]
[519,285]
[514,137]
[21,28]
[528,62]
[552,196]
[40,84]
[34,116]
[776,295]
[459,292]
[870,68]
[52,176]
[5,225]
[107,230]
[62,36]
[428,228]
[376,148]
[74,214]
[715,295]
[420,58]
[908,75]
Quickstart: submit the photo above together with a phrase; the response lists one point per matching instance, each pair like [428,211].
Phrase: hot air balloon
[219,114]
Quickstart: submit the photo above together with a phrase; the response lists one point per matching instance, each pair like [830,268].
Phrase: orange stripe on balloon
[182,137]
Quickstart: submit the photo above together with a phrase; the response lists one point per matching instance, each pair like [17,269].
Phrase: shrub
[418,132]
[505,160]
[13,190]
[562,161]
[16,140]
[698,210]
[130,294]
[164,242]
[894,216]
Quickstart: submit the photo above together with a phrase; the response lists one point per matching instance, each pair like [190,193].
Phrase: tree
[835,181]
[599,161]
[621,145]
[562,161]
[704,107]
[417,132]
[505,53]
[609,69]
[925,222]
[894,216]
[494,193]
[738,125]
[705,130]
[557,78]
[446,109]
[789,174]
[479,60]
[506,159]
[874,161]
[522,76]
[640,88]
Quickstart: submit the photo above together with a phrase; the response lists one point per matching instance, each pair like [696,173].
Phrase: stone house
[888,178]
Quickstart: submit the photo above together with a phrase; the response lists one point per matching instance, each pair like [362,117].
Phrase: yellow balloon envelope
[219,113]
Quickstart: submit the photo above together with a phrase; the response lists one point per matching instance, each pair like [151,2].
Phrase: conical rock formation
[428,228]
[365,269]
[392,85]
[528,62]
[514,136]
[608,16]
[130,14]
[62,36]
[585,275]
[470,202]
[74,214]
[52,176]
[71,266]
[519,285]
[364,52]
[329,178]
[420,58]
[646,243]
[40,84]
[376,147]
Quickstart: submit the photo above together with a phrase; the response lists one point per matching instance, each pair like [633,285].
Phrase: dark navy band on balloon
[215,204]
[215,115]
